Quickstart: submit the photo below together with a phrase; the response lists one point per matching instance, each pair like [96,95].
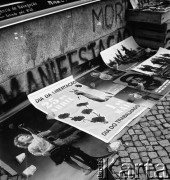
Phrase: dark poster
[10,9]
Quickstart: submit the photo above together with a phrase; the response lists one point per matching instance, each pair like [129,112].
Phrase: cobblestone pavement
[147,141]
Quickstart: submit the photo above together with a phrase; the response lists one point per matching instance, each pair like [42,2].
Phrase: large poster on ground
[92,111]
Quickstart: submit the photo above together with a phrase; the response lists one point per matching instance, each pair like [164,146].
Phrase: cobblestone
[141,149]
[138,143]
[166,125]
[154,112]
[146,129]
[157,133]
[142,137]
[156,161]
[152,155]
[158,147]
[165,160]
[164,143]
[131,131]
[144,153]
[151,117]
[135,137]
[131,149]
[162,153]
[134,156]
[138,131]
[151,139]
[125,160]
[157,122]
[167,115]
[123,154]
[126,138]
[153,128]
[165,131]
[153,143]
[149,134]
[167,136]
[168,148]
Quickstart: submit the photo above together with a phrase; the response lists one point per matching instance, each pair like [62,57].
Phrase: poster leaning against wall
[92,111]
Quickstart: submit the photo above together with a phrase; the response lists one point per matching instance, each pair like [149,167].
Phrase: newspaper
[92,111]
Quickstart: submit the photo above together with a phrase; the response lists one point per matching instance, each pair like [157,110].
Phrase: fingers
[50,115]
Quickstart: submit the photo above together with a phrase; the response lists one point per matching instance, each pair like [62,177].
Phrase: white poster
[90,110]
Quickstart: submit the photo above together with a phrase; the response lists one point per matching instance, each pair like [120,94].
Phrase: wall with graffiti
[39,52]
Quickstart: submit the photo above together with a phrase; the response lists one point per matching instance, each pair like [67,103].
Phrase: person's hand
[50,115]
[108,97]
[44,133]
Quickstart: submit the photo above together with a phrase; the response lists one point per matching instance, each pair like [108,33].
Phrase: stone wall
[39,52]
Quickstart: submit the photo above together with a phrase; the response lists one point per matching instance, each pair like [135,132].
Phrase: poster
[10,9]
[151,84]
[92,111]
[126,54]
[158,65]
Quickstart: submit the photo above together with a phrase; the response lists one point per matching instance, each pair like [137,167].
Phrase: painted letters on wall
[39,52]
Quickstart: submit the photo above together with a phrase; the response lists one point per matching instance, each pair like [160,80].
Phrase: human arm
[92,97]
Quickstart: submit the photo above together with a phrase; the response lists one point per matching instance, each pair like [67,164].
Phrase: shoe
[87,171]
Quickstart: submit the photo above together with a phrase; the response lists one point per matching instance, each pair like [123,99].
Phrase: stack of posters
[103,102]
[146,76]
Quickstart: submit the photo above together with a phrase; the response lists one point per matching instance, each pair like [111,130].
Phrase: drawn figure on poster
[164,60]
[129,57]
[154,70]
[85,111]
[130,53]
[149,83]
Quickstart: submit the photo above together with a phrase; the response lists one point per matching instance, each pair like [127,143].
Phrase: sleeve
[34,150]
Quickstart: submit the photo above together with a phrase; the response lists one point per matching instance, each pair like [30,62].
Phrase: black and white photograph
[84,89]
[102,80]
